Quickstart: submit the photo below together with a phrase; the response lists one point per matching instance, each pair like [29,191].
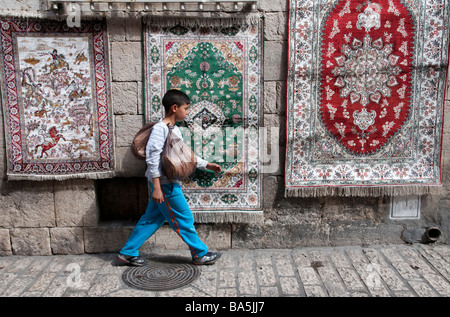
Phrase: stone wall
[77,216]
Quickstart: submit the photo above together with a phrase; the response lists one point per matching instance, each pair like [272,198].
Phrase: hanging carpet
[218,64]
[365,95]
[56,100]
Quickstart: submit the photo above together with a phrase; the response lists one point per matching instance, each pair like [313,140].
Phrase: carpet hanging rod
[146,5]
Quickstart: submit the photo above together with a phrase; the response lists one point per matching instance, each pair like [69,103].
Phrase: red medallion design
[366,73]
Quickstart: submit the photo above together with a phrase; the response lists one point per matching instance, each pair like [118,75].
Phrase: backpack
[140,140]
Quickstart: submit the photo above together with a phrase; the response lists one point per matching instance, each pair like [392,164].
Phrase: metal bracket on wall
[144,6]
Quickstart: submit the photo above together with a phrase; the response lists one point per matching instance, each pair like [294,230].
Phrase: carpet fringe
[375,191]
[23,177]
[240,21]
[229,216]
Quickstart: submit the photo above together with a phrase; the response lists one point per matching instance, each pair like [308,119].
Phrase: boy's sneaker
[208,259]
[131,260]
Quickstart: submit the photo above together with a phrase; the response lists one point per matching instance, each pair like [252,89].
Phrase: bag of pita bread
[178,159]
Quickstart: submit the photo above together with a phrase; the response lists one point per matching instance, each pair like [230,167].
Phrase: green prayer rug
[218,64]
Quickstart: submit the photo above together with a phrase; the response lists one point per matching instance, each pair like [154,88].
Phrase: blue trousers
[175,210]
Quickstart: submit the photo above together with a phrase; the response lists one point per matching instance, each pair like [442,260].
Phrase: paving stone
[351,279]
[57,287]
[226,292]
[423,289]
[315,291]
[289,286]
[438,283]
[227,278]
[308,276]
[247,283]
[340,259]
[406,271]
[269,291]
[332,282]
[284,267]
[17,286]
[42,283]
[392,280]
[266,276]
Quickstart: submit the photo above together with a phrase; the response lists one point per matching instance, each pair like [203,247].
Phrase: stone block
[272,150]
[348,210]
[133,28]
[30,241]
[272,120]
[275,26]
[268,235]
[5,242]
[27,204]
[126,128]
[128,165]
[105,238]
[167,239]
[125,97]
[126,61]
[116,28]
[217,237]
[281,93]
[2,157]
[274,135]
[272,191]
[67,240]
[273,5]
[270,97]
[275,56]
[76,203]
[9,6]
[362,234]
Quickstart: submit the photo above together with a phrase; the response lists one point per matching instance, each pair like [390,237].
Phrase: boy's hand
[157,196]
[214,167]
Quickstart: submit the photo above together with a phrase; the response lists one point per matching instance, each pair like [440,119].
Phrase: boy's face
[181,112]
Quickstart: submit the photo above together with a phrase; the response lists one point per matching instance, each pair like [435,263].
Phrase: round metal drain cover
[158,276]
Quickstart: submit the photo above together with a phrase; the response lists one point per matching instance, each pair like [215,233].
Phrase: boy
[167,201]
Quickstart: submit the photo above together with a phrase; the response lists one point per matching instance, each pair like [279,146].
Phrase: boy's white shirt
[154,149]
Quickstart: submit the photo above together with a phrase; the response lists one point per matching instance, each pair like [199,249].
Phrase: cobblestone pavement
[381,271]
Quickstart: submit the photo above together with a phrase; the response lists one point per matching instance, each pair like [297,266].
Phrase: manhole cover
[158,276]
